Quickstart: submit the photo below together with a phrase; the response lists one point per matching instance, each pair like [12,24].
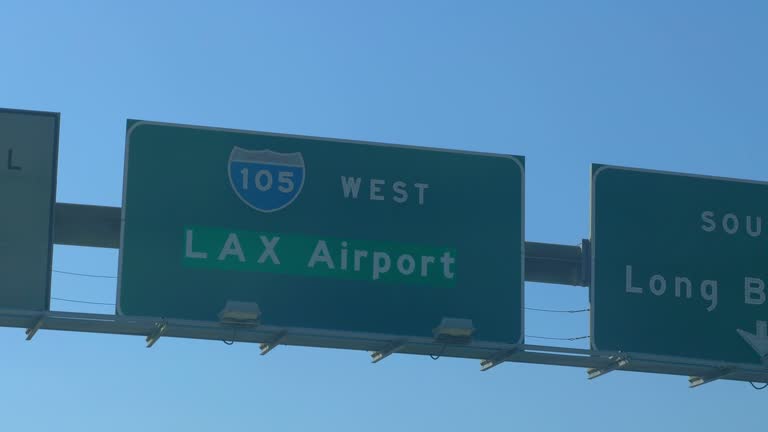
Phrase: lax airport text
[312,256]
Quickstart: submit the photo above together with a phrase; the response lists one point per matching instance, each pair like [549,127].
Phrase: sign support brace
[159,331]
[618,362]
[387,351]
[266,347]
[38,325]
[696,381]
[498,359]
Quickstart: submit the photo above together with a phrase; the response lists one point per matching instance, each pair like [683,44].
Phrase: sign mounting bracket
[618,362]
[696,381]
[266,347]
[159,331]
[385,352]
[32,331]
[498,359]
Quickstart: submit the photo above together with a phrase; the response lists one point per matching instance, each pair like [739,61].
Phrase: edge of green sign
[596,169]
[132,124]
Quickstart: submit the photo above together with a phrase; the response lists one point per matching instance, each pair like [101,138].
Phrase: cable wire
[558,338]
[115,277]
[81,301]
[557,310]
[442,351]
[570,311]
[756,387]
[85,274]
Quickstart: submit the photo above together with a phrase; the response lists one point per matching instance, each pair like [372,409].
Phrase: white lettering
[244,172]
[232,247]
[401,191]
[285,178]
[263,180]
[658,285]
[191,253]
[447,260]
[403,268]
[754,231]
[679,283]
[730,223]
[399,188]
[351,186]
[425,262]
[709,223]
[754,291]
[359,254]
[269,250]
[629,288]
[321,254]
[376,189]
[344,253]
[381,264]
[708,290]
[421,187]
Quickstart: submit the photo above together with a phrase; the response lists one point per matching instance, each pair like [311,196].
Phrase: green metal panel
[212,215]
[28,156]
[678,263]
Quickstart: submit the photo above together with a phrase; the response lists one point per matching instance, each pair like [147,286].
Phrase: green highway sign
[321,233]
[28,155]
[680,265]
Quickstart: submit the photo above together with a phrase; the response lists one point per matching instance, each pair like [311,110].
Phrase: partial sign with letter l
[28,158]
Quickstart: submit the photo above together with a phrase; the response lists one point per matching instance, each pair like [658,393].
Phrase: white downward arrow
[759,341]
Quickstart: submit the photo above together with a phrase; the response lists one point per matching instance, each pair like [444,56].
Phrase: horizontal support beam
[556,264]
[87,225]
[532,354]
[99,226]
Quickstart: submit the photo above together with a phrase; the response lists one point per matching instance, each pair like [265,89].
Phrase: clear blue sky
[679,86]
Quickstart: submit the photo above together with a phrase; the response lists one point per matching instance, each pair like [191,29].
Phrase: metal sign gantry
[99,226]
[255,164]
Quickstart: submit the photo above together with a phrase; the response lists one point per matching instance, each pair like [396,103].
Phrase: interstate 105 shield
[265,180]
